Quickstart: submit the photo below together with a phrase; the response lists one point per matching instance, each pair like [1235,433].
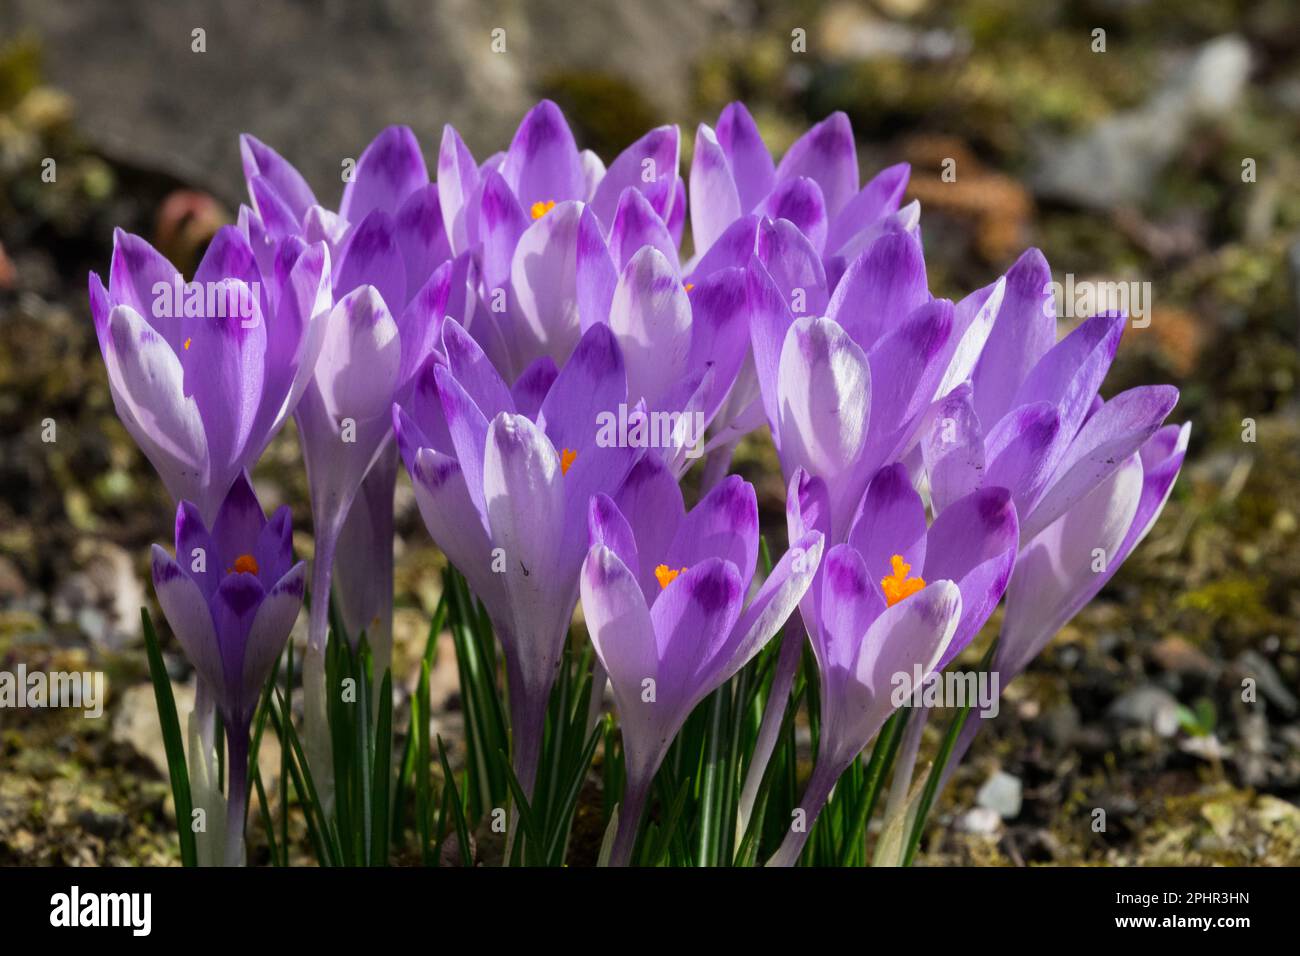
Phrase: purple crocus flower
[815,187]
[520,213]
[663,593]
[503,477]
[873,623]
[203,374]
[1088,477]
[231,596]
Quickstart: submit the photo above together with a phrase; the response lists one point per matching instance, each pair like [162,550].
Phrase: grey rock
[1117,160]
[317,80]
[1002,794]
[980,821]
[103,597]
[1150,707]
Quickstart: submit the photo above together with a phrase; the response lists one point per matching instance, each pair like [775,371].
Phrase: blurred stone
[136,725]
[1149,706]
[981,821]
[317,81]
[103,598]
[1001,793]
[1118,159]
[1176,655]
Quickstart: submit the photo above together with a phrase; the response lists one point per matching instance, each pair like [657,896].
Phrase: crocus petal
[952,449]
[715,203]
[650,500]
[458,179]
[651,316]
[533,386]
[186,610]
[972,325]
[606,527]
[974,543]
[751,163]
[543,278]
[137,277]
[1022,333]
[794,265]
[593,171]
[1022,452]
[592,382]
[269,631]
[624,638]
[239,523]
[881,288]
[701,603]
[274,548]
[724,524]
[824,390]
[371,256]
[771,607]
[225,372]
[850,602]
[542,164]
[636,224]
[1115,431]
[162,418]
[525,496]
[890,521]
[234,608]
[359,361]
[501,221]
[906,366]
[595,272]
[261,160]
[474,373]
[719,332]
[770,321]
[915,631]
[648,166]
[1072,371]
[1061,561]
[734,247]
[827,155]
[800,201]
[421,238]
[228,256]
[468,429]
[456,527]
[878,198]
[390,169]
[196,549]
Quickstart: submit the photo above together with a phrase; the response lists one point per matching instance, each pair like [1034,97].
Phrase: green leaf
[173,743]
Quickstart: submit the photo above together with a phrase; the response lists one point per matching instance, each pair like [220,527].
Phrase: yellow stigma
[898,585]
[666,575]
[541,208]
[567,458]
[244,564]
[187,344]
[689,286]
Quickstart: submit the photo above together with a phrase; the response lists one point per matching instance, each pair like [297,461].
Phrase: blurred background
[1128,165]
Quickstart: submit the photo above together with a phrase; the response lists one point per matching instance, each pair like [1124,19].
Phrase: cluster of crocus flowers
[484,327]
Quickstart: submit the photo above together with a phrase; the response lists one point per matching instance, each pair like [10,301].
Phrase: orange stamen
[541,208]
[898,585]
[244,564]
[567,457]
[689,286]
[187,344]
[666,575]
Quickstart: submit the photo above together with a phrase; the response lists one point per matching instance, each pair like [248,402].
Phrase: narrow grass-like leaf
[173,744]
